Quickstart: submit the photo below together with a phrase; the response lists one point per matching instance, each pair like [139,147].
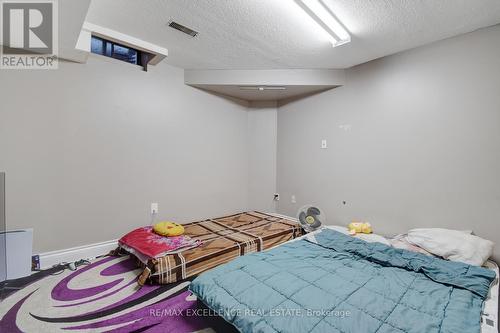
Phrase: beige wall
[87,148]
[262,141]
[424,145]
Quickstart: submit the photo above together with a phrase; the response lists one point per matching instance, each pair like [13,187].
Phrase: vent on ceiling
[262,88]
[182,28]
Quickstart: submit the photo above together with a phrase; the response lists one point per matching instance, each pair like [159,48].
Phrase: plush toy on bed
[359,227]
[168,229]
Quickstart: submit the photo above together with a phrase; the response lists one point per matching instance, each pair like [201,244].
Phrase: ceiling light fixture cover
[262,88]
[322,14]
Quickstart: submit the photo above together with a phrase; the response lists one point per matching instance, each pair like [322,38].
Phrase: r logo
[27,27]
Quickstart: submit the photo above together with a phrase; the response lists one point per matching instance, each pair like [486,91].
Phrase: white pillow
[454,245]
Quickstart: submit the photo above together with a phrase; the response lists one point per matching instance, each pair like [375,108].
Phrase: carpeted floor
[104,297]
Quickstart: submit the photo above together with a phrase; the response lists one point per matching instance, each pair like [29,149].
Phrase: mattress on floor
[489,315]
[223,239]
[307,286]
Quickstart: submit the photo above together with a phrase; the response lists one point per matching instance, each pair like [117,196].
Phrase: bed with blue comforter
[341,284]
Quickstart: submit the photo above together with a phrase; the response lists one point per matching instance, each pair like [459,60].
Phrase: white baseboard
[49,259]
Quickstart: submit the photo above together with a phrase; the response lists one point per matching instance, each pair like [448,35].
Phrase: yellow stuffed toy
[168,229]
[359,227]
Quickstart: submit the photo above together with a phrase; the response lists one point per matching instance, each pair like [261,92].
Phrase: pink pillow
[151,245]
[401,242]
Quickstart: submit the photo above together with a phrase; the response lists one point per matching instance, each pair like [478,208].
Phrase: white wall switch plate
[154,208]
[324,145]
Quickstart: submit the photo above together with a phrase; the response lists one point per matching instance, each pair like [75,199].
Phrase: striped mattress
[223,239]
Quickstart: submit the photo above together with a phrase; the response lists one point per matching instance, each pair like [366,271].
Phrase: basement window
[114,50]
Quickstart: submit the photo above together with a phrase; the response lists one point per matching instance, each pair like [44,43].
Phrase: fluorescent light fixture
[327,20]
[262,88]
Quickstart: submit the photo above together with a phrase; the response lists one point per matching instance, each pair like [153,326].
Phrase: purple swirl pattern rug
[101,297]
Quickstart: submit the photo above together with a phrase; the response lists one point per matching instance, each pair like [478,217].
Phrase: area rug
[103,297]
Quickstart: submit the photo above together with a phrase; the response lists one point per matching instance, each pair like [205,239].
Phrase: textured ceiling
[270,34]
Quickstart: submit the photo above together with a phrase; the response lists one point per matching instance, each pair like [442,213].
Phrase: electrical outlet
[154,208]
[293,199]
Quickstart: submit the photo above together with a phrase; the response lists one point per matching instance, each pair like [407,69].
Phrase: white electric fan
[310,218]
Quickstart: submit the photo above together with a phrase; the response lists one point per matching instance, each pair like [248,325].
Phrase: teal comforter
[342,284]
